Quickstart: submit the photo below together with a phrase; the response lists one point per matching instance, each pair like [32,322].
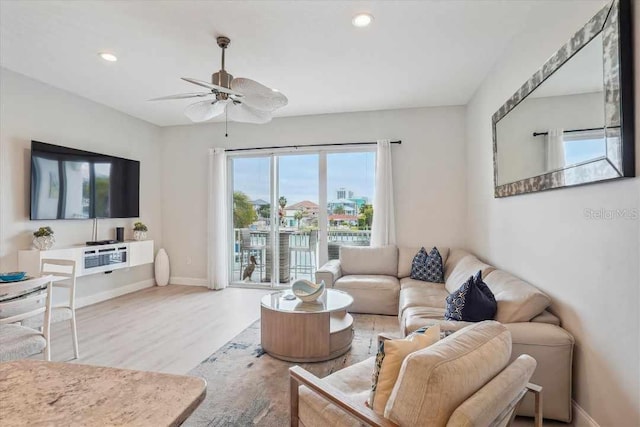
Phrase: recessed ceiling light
[362,20]
[108,56]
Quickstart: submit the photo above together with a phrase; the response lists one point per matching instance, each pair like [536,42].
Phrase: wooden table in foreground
[295,331]
[34,392]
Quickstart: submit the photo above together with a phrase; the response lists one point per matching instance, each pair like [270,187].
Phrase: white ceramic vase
[44,243]
[162,268]
[139,235]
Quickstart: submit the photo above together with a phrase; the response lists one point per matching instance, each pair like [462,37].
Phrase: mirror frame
[614,22]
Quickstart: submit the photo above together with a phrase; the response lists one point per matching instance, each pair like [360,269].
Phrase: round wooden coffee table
[297,331]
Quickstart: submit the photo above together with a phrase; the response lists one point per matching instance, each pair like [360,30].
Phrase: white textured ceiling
[416,53]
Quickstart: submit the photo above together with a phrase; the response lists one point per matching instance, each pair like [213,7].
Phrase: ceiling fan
[244,100]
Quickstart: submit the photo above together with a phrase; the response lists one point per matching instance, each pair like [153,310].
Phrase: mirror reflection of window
[584,146]
[103,189]
[549,129]
[76,201]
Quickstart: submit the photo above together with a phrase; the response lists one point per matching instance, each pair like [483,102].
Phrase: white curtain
[218,241]
[383,228]
[555,149]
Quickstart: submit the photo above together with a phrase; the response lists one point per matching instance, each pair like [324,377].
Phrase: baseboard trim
[189,281]
[112,293]
[581,418]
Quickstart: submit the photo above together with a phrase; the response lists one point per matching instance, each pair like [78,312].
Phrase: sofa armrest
[330,272]
[299,376]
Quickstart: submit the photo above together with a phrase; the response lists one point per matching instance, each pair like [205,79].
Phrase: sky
[582,150]
[299,176]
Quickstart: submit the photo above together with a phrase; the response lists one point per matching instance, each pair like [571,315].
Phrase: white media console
[91,259]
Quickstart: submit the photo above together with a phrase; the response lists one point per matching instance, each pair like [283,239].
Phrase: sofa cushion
[552,347]
[471,302]
[413,318]
[374,294]
[415,293]
[465,268]
[428,266]
[391,354]
[455,255]
[518,301]
[369,260]
[406,254]
[433,382]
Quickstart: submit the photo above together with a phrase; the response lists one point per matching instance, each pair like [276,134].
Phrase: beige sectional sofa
[379,281]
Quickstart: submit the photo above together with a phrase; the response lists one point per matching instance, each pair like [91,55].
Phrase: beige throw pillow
[391,354]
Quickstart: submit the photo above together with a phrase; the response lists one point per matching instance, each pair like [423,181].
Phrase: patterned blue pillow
[472,302]
[428,267]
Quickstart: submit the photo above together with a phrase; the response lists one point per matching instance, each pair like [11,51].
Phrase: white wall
[589,267]
[32,110]
[429,172]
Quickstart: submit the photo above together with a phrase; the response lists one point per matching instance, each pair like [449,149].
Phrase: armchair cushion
[381,260]
[391,354]
[447,373]
[354,381]
[485,405]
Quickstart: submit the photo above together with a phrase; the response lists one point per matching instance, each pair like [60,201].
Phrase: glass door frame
[323,216]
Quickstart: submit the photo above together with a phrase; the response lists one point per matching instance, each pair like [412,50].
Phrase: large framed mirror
[571,123]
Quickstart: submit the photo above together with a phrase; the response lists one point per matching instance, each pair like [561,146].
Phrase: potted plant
[43,238]
[139,231]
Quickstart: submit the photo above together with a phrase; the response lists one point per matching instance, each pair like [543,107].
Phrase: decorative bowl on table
[307,291]
[13,276]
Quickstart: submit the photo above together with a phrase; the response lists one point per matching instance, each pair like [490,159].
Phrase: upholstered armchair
[462,380]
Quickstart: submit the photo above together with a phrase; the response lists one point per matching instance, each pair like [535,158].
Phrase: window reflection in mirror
[560,124]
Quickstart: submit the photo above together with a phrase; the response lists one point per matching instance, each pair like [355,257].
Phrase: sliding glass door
[292,211]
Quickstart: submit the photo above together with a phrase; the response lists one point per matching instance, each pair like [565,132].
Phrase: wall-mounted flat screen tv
[75,184]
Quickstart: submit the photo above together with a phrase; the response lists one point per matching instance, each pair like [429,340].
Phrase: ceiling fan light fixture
[362,20]
[110,57]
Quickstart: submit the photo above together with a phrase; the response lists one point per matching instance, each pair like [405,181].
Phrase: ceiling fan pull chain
[226,122]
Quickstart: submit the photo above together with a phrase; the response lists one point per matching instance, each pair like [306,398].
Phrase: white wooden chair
[20,301]
[61,268]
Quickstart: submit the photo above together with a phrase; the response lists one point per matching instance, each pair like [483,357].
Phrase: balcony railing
[298,252]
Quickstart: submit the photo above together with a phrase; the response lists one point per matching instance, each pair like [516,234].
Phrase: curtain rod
[275,147]
[575,130]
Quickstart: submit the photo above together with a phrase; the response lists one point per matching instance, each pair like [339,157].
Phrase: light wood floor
[165,329]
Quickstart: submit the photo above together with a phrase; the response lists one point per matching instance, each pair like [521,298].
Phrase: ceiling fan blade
[210,86]
[246,114]
[183,96]
[259,96]
[205,110]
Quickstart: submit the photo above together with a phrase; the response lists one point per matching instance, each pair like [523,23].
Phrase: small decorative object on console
[307,291]
[139,231]
[14,276]
[43,238]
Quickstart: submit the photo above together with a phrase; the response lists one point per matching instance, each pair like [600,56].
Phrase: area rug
[247,387]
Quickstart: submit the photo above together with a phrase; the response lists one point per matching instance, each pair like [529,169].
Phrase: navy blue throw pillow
[428,266]
[472,302]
